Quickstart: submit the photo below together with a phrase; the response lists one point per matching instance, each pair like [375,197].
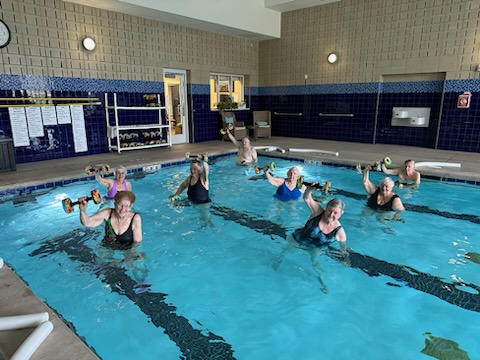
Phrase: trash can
[7,155]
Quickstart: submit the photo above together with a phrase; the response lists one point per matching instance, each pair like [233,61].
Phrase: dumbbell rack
[115,131]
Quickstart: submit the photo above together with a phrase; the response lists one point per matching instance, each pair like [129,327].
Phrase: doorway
[175,88]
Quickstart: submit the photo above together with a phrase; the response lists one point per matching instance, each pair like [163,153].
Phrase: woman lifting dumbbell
[377,165]
[286,187]
[196,183]
[325,188]
[123,228]
[68,204]
[119,183]
[189,156]
[99,168]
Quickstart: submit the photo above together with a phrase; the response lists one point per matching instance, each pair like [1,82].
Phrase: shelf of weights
[123,136]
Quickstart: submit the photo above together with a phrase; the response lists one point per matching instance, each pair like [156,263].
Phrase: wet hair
[409,161]
[196,161]
[120,195]
[388,180]
[336,203]
[291,169]
[121,168]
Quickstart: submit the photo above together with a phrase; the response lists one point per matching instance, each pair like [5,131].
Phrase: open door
[175,88]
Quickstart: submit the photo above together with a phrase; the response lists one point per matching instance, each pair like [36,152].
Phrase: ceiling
[252,19]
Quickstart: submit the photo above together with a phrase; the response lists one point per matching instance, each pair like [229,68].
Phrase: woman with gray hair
[286,187]
[119,183]
[319,232]
[381,197]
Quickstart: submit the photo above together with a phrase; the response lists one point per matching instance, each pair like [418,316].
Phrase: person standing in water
[119,183]
[246,152]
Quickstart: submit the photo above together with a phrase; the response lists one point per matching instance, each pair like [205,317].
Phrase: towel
[111,132]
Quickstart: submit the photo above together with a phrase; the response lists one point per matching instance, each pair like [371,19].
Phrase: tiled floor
[16,298]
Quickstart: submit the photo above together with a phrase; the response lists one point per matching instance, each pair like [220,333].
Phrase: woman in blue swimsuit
[320,230]
[123,228]
[286,188]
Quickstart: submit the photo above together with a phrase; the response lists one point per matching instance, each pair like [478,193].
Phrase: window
[222,86]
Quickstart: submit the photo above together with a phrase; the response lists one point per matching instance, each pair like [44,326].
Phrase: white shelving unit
[114,132]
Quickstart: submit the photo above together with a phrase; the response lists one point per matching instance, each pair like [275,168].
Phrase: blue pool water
[210,290]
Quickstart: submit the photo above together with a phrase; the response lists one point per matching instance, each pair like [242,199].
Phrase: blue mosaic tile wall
[58,140]
[403,135]
[299,116]
[460,128]
[457,129]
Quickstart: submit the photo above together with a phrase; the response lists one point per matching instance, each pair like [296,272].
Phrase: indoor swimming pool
[203,284]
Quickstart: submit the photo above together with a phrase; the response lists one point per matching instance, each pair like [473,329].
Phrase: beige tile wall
[374,38]
[47,35]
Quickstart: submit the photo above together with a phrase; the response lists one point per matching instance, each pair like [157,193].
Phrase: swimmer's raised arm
[275,181]
[103,181]
[315,207]
[232,138]
[389,171]
[93,220]
[367,184]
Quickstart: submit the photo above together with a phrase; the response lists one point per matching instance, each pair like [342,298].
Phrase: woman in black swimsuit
[196,182]
[123,228]
[381,197]
[320,231]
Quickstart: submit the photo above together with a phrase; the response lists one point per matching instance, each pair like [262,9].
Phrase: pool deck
[16,298]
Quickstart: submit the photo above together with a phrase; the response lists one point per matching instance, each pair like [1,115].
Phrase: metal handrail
[336,115]
[287,114]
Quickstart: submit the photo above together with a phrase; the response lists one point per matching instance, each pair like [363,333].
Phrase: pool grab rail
[336,115]
[436,164]
[287,114]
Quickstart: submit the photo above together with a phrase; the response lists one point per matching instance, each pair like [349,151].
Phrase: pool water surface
[204,285]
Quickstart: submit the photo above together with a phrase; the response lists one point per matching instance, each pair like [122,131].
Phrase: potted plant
[227,104]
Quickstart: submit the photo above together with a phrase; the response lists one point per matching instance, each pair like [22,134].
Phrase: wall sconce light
[332,58]
[477,68]
[88,43]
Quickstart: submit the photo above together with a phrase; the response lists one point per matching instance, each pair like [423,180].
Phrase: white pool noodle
[22,321]
[437,164]
[33,341]
[314,151]
[269,148]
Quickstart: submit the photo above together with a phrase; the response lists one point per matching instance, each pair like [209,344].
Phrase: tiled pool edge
[27,188]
